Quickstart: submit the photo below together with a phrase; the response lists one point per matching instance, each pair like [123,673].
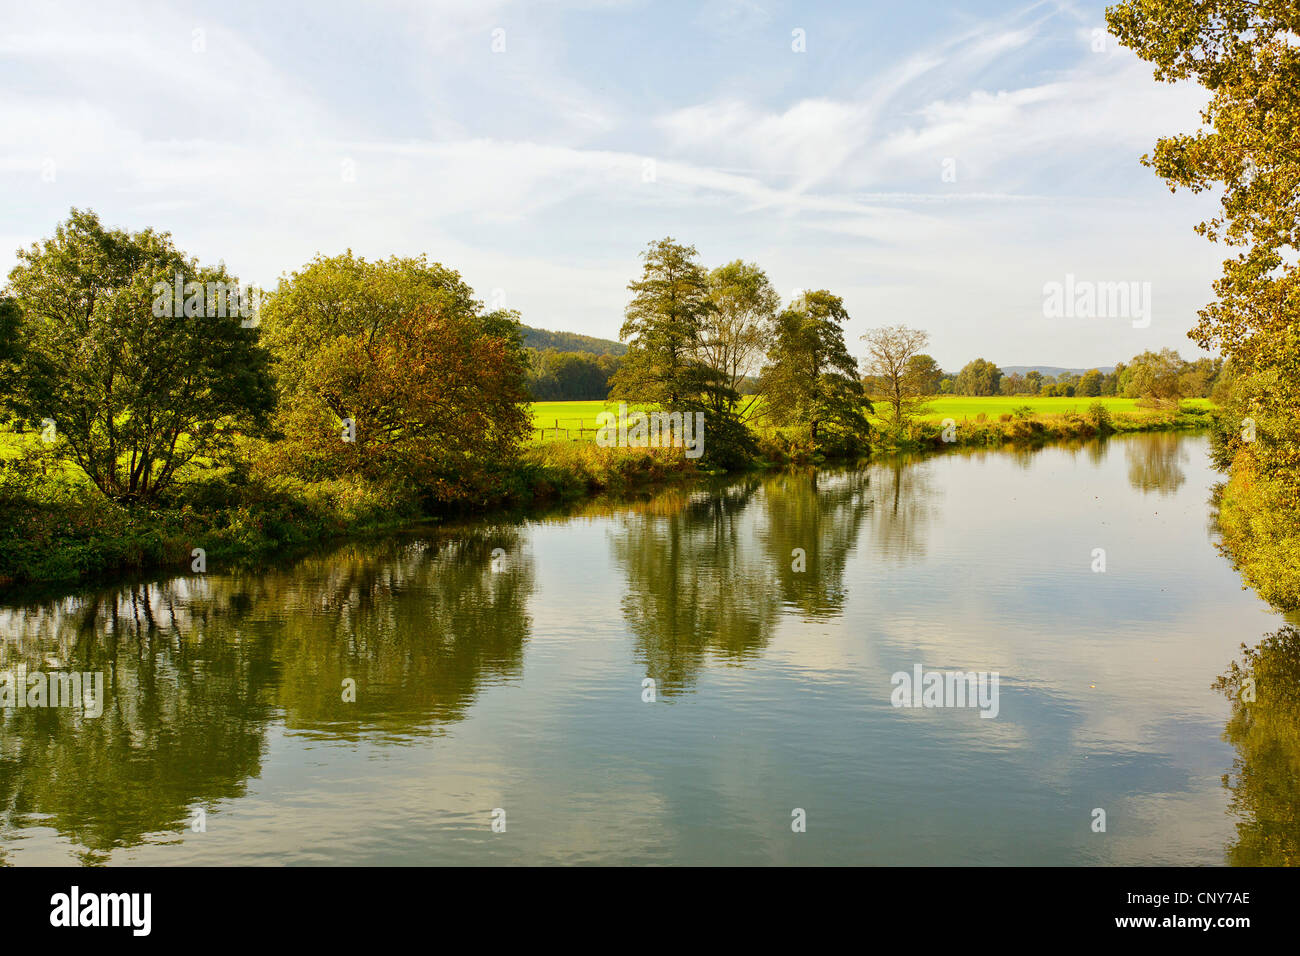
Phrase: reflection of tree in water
[1154,461]
[197,668]
[903,506]
[695,585]
[707,576]
[1266,733]
[822,514]
[419,625]
[183,722]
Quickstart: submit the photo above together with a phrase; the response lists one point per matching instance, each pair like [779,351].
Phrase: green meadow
[575,415]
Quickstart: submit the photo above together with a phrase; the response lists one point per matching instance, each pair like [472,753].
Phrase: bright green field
[572,415]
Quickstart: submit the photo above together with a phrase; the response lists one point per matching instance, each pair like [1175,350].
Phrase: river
[500,710]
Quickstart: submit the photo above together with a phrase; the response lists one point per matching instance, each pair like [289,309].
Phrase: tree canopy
[134,395]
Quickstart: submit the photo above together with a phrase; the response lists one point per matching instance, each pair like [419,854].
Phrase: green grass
[958,407]
[575,415]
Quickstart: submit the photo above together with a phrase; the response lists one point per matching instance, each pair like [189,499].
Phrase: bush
[1099,416]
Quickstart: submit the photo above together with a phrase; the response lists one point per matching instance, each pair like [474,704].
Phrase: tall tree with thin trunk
[736,330]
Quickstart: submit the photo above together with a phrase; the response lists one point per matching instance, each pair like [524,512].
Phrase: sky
[933,164]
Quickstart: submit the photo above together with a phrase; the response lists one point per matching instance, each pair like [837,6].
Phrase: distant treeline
[1163,374]
[585,376]
[556,376]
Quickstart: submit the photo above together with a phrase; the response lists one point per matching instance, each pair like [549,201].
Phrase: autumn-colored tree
[402,377]
[1244,53]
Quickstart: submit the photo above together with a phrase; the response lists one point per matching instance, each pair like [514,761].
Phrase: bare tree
[889,350]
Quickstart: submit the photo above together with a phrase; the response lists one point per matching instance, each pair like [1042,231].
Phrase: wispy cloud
[545,166]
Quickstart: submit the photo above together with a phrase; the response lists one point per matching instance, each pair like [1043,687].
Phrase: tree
[1110,383]
[570,376]
[811,380]
[1248,150]
[978,377]
[890,354]
[11,339]
[668,323]
[134,394]
[399,357]
[664,326]
[1156,376]
[1033,382]
[924,374]
[735,330]
[1090,384]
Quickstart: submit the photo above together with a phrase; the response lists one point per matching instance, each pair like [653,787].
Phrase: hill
[571,342]
[1053,370]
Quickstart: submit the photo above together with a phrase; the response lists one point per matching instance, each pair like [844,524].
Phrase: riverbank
[1261,534]
[57,529]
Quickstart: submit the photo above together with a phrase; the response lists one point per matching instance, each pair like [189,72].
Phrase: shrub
[1099,416]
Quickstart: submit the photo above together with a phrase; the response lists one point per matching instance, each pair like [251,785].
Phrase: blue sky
[260,134]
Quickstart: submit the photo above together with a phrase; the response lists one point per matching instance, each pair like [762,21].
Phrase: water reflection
[1154,462]
[1265,730]
[197,668]
[811,523]
[770,611]
[695,586]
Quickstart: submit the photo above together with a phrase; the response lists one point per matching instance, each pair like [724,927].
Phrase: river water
[704,676]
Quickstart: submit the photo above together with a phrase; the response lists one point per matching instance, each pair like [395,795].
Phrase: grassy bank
[56,527]
[1021,426]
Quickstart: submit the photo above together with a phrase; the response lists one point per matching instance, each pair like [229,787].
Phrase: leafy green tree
[134,395]
[1156,376]
[664,326]
[1110,382]
[1090,384]
[668,323]
[10,346]
[978,377]
[735,330]
[1033,382]
[924,374]
[811,380]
